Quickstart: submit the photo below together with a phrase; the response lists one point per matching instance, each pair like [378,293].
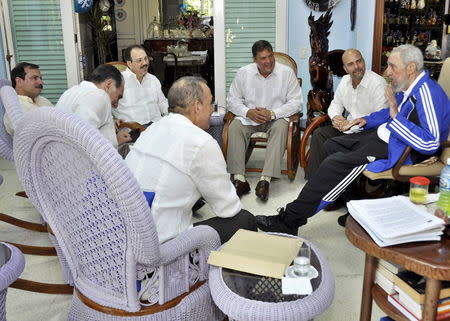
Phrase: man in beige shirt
[27,81]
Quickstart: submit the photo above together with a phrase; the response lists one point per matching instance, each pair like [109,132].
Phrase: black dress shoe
[198,205]
[343,219]
[241,187]
[337,204]
[274,224]
[262,190]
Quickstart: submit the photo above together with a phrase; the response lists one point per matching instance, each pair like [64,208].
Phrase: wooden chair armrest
[295,118]
[396,169]
[227,119]
[304,141]
[132,125]
[399,164]
[445,143]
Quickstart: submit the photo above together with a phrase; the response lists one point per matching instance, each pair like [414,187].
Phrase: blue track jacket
[422,123]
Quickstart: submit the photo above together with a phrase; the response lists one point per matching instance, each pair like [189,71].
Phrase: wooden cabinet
[157,48]
[414,22]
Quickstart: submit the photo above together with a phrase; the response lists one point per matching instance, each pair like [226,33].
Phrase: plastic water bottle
[444,189]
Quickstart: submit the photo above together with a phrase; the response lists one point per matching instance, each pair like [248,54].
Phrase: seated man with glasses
[142,101]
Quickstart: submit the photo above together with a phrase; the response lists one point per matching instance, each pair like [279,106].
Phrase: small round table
[430,259]
[247,297]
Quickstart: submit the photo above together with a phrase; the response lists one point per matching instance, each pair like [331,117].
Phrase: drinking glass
[302,263]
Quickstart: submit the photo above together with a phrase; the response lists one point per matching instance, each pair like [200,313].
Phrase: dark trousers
[317,152]
[348,156]
[226,227]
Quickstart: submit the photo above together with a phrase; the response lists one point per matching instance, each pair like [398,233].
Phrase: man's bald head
[349,53]
[191,97]
[354,65]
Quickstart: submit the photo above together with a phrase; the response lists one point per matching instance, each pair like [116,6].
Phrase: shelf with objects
[416,22]
[182,46]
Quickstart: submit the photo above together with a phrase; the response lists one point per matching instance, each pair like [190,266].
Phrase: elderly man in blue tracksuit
[418,116]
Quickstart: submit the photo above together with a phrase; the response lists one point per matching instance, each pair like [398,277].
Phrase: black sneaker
[274,224]
[343,219]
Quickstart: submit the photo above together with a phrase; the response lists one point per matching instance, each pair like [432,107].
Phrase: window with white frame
[245,23]
[205,7]
[37,36]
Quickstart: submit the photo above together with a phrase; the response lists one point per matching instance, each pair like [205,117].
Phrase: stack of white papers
[395,220]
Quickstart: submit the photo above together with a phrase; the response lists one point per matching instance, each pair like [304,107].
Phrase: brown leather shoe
[241,187]
[262,190]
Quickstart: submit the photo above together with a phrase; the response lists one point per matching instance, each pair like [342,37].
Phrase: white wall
[133,30]
[341,37]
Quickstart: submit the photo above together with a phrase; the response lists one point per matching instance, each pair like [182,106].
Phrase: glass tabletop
[266,289]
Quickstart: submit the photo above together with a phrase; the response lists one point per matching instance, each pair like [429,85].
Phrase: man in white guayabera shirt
[142,101]
[92,101]
[263,95]
[27,81]
[360,93]
[179,161]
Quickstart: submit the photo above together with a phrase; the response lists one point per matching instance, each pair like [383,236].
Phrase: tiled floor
[346,261]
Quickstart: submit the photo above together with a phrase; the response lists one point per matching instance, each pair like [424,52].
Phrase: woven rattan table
[247,297]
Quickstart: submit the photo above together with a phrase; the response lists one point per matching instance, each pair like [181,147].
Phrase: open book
[395,220]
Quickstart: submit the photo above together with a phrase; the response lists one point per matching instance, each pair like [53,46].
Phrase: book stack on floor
[395,220]
[406,291]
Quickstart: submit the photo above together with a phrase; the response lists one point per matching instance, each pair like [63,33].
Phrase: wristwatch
[272,115]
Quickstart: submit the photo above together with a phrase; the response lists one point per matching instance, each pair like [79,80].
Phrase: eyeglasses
[140,60]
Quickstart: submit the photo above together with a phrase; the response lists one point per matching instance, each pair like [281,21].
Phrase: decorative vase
[186,33]
[420,4]
[197,33]
[154,29]
[413,4]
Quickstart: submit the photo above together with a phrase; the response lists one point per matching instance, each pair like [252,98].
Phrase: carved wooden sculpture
[322,66]
[320,96]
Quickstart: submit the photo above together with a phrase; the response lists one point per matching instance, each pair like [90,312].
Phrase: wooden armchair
[430,168]
[132,125]
[287,60]
[120,65]
[259,140]
[303,152]
[444,76]
[293,140]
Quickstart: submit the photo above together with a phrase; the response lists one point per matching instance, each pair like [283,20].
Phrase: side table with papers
[430,259]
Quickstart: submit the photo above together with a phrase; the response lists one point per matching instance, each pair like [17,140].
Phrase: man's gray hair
[409,54]
[185,92]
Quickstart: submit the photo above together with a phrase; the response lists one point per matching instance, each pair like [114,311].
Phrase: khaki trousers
[239,139]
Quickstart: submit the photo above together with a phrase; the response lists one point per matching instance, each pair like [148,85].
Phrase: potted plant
[101,25]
